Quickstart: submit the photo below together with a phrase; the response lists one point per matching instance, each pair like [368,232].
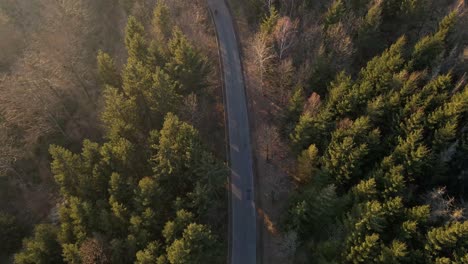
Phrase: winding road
[243,220]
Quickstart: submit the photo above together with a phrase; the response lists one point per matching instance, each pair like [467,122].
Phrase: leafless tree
[285,35]
[339,43]
[263,55]
[285,72]
[190,109]
[8,153]
[313,104]
[443,207]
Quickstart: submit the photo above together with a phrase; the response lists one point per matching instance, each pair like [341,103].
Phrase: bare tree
[8,153]
[285,35]
[263,55]
[313,104]
[190,109]
[285,72]
[443,206]
[339,43]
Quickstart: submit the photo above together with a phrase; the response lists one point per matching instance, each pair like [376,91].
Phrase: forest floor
[272,162]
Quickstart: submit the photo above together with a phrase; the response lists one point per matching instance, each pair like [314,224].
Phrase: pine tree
[394,253]
[197,245]
[107,70]
[174,229]
[312,210]
[334,13]
[448,240]
[376,78]
[66,167]
[365,252]
[120,116]
[269,22]
[307,164]
[186,65]
[338,101]
[311,130]
[42,248]
[293,111]
[365,190]
[149,255]
[135,41]
[412,154]
[11,231]
[349,146]
[428,50]
[162,22]
[368,33]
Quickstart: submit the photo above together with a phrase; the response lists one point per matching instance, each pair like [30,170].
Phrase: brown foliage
[313,104]
[94,251]
[285,35]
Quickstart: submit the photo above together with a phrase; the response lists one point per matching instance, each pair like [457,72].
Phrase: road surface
[243,221]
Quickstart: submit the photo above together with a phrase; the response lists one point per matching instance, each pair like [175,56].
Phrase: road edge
[253,149]
[226,136]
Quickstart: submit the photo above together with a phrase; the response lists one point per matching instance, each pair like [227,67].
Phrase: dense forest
[112,141]
[376,118]
[134,179]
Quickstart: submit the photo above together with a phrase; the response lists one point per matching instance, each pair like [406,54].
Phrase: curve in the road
[243,220]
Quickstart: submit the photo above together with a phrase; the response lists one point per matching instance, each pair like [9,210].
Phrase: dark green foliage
[42,248]
[11,232]
[368,34]
[149,255]
[428,50]
[334,13]
[186,65]
[107,70]
[293,111]
[197,245]
[269,22]
[348,150]
[307,164]
[450,241]
[311,210]
[385,138]
[135,41]
[162,22]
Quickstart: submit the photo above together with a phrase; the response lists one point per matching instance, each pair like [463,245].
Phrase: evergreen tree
[149,255]
[186,65]
[42,248]
[293,111]
[307,164]
[197,245]
[448,241]
[11,232]
[107,70]
[135,41]
[365,252]
[174,229]
[368,34]
[334,13]
[162,22]
[428,50]
[269,22]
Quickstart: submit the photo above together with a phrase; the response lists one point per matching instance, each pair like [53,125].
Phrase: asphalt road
[243,223]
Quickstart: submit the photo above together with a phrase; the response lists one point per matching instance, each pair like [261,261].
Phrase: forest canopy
[150,190]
